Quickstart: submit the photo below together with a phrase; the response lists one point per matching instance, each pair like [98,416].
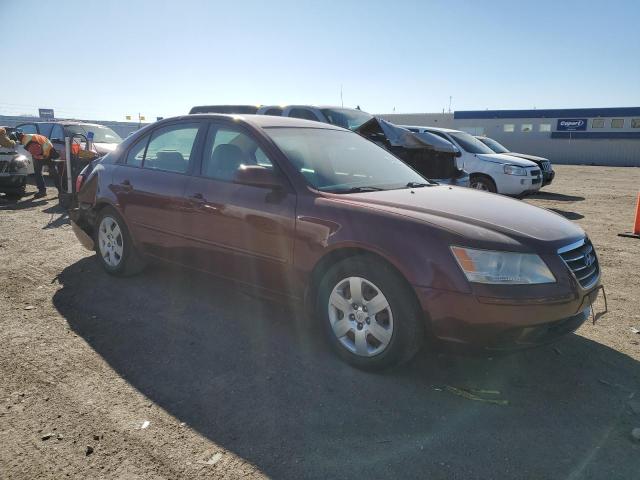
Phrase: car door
[240,231]
[150,184]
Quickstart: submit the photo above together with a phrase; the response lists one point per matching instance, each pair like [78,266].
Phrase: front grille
[534,173]
[3,165]
[545,165]
[581,259]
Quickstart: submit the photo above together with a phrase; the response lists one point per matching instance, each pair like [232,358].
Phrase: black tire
[130,261]
[483,182]
[408,320]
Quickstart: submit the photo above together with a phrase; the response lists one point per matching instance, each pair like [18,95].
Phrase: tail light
[79,181]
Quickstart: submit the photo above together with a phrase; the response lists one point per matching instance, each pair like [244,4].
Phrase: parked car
[15,165]
[548,174]
[105,140]
[321,217]
[490,171]
[430,156]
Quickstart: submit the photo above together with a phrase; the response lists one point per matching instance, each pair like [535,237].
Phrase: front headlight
[515,170]
[487,266]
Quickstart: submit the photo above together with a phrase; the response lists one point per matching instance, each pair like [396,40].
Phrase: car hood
[533,158]
[401,137]
[477,216]
[505,159]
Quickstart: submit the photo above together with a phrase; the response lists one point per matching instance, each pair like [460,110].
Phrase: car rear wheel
[484,183]
[113,244]
[369,314]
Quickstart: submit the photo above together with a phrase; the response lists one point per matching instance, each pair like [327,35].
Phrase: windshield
[346,117]
[338,161]
[100,134]
[493,145]
[469,143]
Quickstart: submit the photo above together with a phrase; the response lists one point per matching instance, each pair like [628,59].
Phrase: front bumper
[479,323]
[547,177]
[518,185]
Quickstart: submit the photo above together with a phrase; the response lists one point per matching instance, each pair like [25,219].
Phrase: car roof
[440,129]
[262,121]
[66,122]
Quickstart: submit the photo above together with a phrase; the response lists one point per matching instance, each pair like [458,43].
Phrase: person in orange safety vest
[43,153]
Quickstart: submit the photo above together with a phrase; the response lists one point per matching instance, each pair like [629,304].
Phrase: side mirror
[257,176]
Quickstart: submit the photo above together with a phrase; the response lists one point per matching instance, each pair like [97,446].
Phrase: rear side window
[136,153]
[28,128]
[170,148]
[226,150]
[302,113]
[276,112]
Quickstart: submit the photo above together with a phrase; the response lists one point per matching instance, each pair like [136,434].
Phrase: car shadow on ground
[558,197]
[245,373]
[567,214]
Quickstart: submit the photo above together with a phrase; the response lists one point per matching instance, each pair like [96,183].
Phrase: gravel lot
[174,374]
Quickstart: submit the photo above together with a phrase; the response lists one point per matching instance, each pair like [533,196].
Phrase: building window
[526,127]
[635,123]
[509,127]
[544,127]
[617,123]
[473,130]
[597,123]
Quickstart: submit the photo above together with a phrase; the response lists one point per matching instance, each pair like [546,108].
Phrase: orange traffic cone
[636,225]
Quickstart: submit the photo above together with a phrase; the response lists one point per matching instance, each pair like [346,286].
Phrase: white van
[490,171]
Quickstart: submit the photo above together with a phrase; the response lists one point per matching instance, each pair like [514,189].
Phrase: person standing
[43,153]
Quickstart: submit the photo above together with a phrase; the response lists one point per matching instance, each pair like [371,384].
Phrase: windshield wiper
[360,189]
[419,184]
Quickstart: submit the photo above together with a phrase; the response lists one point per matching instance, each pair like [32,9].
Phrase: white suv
[490,171]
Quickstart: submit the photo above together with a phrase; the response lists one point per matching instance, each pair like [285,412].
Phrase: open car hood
[401,137]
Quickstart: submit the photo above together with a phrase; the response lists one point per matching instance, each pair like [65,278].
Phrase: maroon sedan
[317,214]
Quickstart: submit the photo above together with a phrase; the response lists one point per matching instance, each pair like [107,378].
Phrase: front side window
[339,161]
[597,123]
[136,153]
[226,150]
[57,133]
[617,123]
[509,127]
[302,113]
[170,148]
[544,127]
[526,127]
[45,129]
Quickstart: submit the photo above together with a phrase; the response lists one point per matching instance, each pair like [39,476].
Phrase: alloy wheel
[360,316]
[110,241]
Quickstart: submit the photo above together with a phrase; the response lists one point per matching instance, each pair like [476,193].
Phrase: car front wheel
[113,244]
[481,182]
[369,314]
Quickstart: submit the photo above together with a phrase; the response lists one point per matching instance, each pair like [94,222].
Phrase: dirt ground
[174,374]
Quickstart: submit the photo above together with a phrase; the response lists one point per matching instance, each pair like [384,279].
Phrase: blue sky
[121,57]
